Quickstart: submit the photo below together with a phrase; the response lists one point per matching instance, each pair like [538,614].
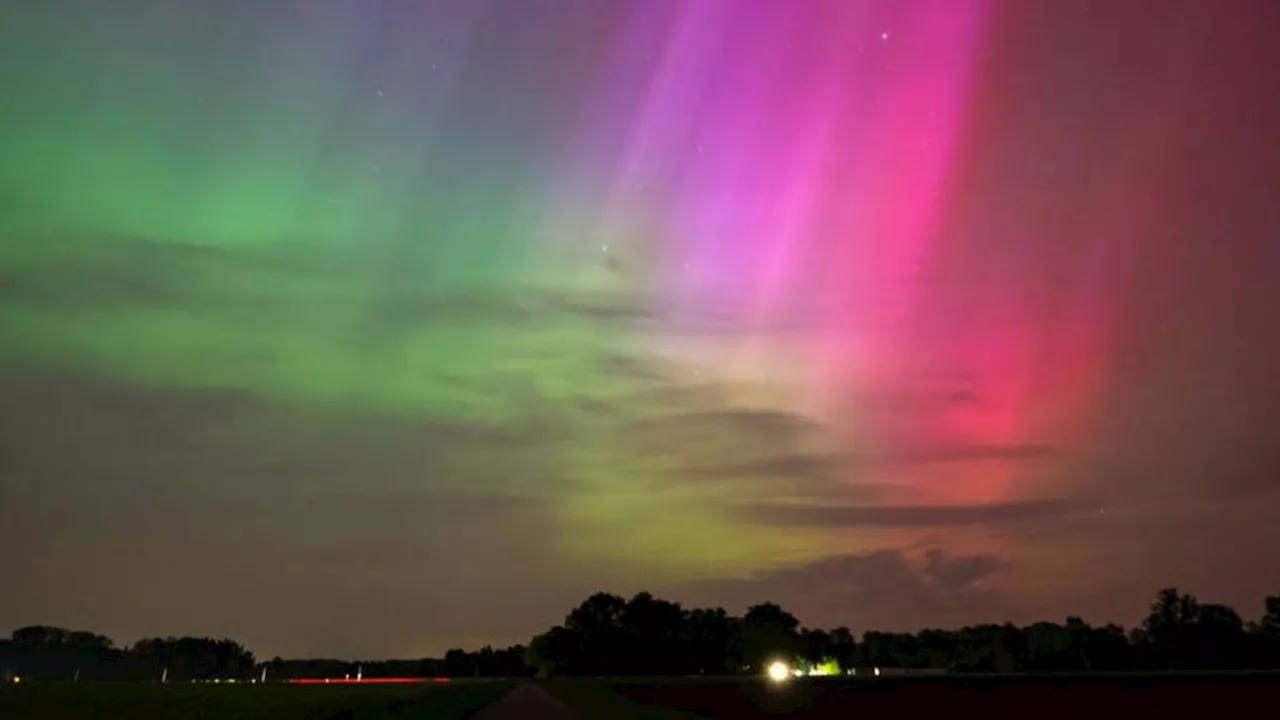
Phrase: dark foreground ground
[1077,697]
[178,701]
[1074,697]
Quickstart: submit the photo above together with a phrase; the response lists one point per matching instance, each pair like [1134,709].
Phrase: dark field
[177,701]
[1075,697]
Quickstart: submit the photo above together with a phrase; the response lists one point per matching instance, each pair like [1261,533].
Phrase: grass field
[600,700]
[814,699]
[1064,696]
[176,701]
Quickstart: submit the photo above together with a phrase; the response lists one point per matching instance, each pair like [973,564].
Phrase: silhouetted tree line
[485,662]
[610,635]
[51,653]
[42,652]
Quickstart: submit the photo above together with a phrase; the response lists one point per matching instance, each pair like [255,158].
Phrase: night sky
[372,328]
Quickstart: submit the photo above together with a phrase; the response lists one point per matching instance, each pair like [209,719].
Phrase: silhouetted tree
[89,640]
[1162,636]
[935,649]
[1217,639]
[1106,648]
[1181,633]
[652,632]
[1051,646]
[196,658]
[458,664]
[769,632]
[37,635]
[712,642]
[1270,623]
[47,652]
[988,648]
[843,647]
[597,624]
[555,652]
[815,646]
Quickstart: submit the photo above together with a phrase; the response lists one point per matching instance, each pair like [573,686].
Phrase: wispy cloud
[965,453]
[889,516]
[877,589]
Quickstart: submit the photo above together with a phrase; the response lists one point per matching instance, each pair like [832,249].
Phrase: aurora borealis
[372,328]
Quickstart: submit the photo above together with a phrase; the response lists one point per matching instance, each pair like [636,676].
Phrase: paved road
[526,702]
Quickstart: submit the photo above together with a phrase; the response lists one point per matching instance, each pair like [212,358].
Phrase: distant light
[884,36]
[877,672]
[17,679]
[779,672]
[365,681]
[824,668]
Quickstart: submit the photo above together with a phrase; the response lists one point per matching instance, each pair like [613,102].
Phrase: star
[884,36]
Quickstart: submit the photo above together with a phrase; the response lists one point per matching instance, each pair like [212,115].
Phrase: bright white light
[877,672]
[779,672]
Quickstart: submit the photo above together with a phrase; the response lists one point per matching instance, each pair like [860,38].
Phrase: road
[526,702]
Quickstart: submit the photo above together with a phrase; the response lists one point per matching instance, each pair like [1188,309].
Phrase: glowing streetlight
[779,672]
